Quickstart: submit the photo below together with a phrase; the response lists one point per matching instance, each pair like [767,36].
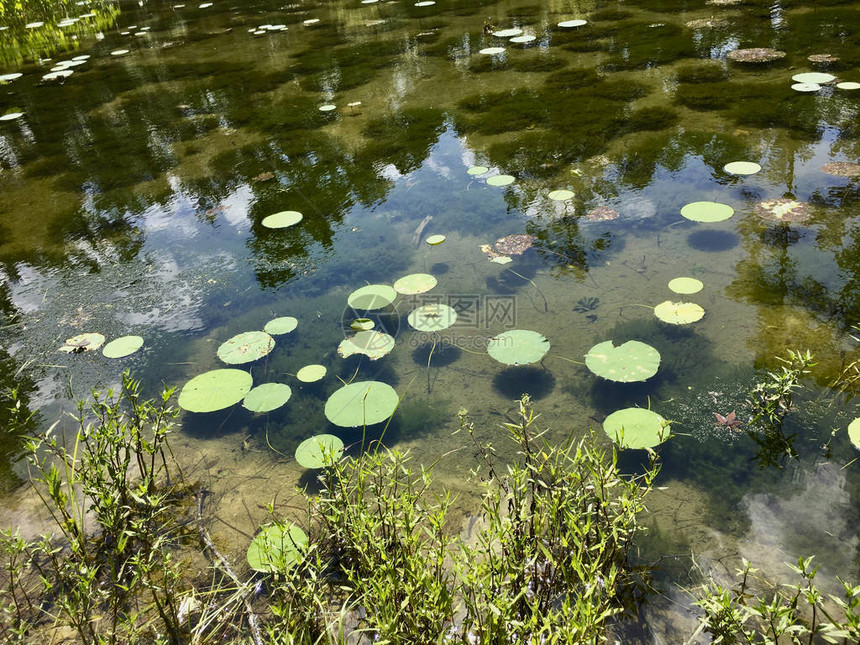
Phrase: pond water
[132,194]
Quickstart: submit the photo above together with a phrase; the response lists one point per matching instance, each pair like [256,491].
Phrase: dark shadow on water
[442,354]
[513,382]
[212,425]
[712,241]
[781,236]
[440,268]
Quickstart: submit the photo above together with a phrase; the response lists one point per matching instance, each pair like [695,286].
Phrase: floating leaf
[515,244]
[742,168]
[277,547]
[501,259]
[432,317]
[500,180]
[848,85]
[246,347]
[492,51]
[311,373]
[282,325]
[282,219]
[686,285]
[415,283]
[373,344]
[425,3]
[267,397]
[630,361]
[518,347]
[327,108]
[119,52]
[215,390]
[560,195]
[435,240]
[319,451]
[523,39]
[568,24]
[707,211]
[361,403]
[11,116]
[507,33]
[854,433]
[806,87]
[123,346]
[478,170]
[83,343]
[373,296]
[636,428]
[362,324]
[679,313]
[782,210]
[8,78]
[813,77]
[755,55]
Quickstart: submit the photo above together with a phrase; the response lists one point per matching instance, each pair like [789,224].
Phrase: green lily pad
[813,77]
[478,170]
[629,362]
[373,344]
[215,390]
[435,240]
[707,211]
[88,342]
[848,85]
[362,324]
[432,317]
[806,87]
[569,24]
[560,195]
[415,283]
[686,285]
[267,397]
[500,180]
[492,51]
[854,433]
[282,219]
[742,168]
[361,403]
[507,33]
[373,296]
[527,38]
[319,451]
[246,347]
[311,373]
[328,107]
[518,347]
[119,52]
[636,428]
[679,313]
[123,346]
[277,547]
[11,116]
[282,325]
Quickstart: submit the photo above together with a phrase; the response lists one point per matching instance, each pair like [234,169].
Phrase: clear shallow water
[132,195]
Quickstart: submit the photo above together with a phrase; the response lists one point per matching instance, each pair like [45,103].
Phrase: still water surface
[132,195]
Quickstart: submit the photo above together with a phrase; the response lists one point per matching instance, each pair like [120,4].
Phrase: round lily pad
[327,107]
[435,240]
[478,170]
[282,325]
[277,547]
[854,433]
[848,85]
[215,390]
[8,78]
[362,324]
[507,33]
[425,3]
[560,195]
[267,397]
[119,52]
[742,168]
[686,285]
[518,347]
[373,296]
[492,51]
[527,38]
[319,451]
[415,283]
[636,428]
[373,344]
[806,87]
[679,313]
[282,219]
[500,180]
[246,347]
[361,403]
[707,211]
[311,373]
[568,24]
[123,346]
[432,317]
[88,342]
[630,361]
[813,77]
[11,116]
